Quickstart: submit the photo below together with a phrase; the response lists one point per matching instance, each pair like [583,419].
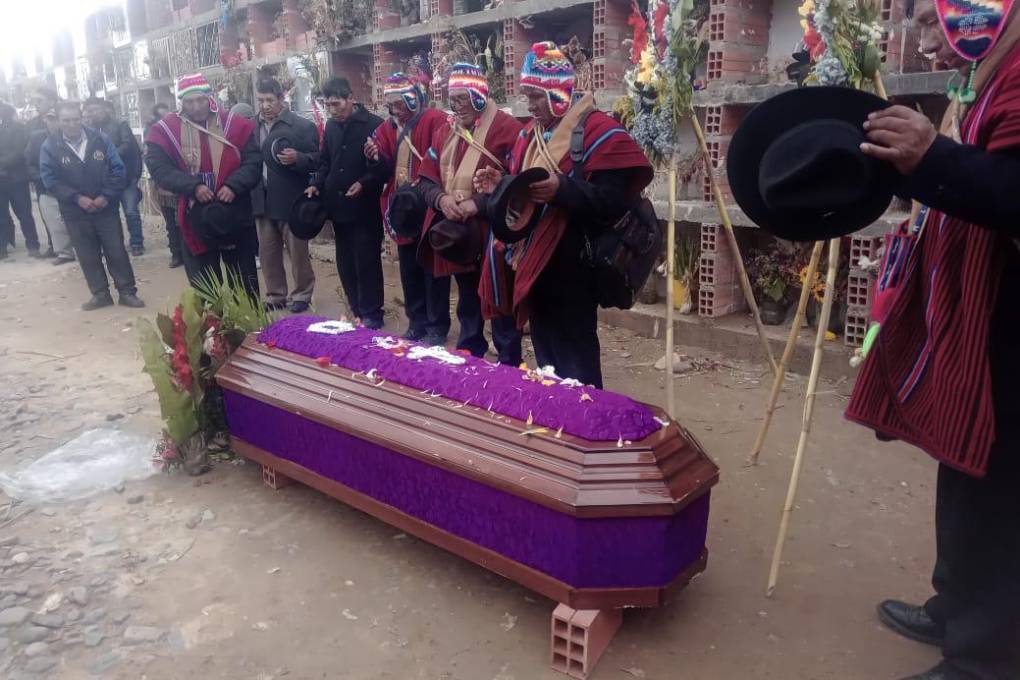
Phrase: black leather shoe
[176,261]
[97,302]
[36,254]
[415,334]
[60,259]
[910,621]
[137,251]
[130,300]
[275,306]
[942,672]
[299,307]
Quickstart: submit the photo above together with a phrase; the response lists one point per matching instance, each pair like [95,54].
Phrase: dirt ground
[221,577]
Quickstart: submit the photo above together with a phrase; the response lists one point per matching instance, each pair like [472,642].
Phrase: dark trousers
[359,263]
[173,232]
[426,297]
[505,335]
[98,236]
[131,201]
[237,257]
[565,336]
[18,197]
[977,569]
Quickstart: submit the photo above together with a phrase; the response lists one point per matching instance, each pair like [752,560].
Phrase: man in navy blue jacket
[82,169]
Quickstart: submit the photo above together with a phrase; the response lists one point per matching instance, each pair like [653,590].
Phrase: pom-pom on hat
[471,78]
[546,68]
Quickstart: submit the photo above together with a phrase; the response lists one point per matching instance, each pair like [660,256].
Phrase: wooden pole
[731,238]
[880,86]
[809,406]
[670,267]
[791,344]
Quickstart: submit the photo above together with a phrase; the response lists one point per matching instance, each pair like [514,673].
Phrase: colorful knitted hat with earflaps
[410,90]
[193,84]
[973,26]
[546,68]
[469,77]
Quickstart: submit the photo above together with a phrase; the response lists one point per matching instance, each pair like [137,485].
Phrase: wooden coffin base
[278,471]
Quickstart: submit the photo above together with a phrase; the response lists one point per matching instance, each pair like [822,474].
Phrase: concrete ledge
[896,85]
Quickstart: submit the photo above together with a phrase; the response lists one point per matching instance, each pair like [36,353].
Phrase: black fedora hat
[406,212]
[457,242]
[307,216]
[512,213]
[796,169]
[215,221]
[275,142]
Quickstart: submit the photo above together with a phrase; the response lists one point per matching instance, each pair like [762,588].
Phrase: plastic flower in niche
[331,327]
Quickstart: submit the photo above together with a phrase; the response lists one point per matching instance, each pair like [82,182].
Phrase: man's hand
[204,194]
[287,157]
[468,209]
[371,150]
[545,191]
[485,180]
[86,204]
[451,209]
[99,202]
[225,194]
[899,135]
[354,191]
[312,192]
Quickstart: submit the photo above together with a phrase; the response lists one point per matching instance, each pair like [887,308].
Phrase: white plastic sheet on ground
[95,461]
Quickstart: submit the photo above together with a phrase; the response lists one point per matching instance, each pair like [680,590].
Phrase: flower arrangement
[182,351]
[667,45]
[841,38]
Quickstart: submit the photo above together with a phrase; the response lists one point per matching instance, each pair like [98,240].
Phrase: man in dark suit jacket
[14,190]
[100,116]
[290,149]
[82,169]
[351,193]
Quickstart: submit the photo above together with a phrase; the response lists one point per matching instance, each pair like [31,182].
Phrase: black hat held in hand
[307,216]
[796,169]
[458,242]
[512,213]
[216,222]
[406,212]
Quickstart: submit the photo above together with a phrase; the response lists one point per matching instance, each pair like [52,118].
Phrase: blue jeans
[130,200]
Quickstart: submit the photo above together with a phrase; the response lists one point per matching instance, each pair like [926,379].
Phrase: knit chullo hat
[973,26]
[193,84]
[471,78]
[546,68]
[410,90]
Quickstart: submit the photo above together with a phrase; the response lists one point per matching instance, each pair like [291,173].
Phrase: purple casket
[583,495]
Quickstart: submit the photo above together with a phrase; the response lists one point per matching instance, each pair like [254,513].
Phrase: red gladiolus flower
[636,20]
[179,360]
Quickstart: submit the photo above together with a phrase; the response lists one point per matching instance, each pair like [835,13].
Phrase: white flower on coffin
[331,327]
[388,343]
[418,353]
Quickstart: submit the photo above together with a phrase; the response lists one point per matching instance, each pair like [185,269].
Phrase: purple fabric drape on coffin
[599,416]
[585,553]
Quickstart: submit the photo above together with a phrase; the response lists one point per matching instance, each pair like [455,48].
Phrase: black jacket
[342,163]
[130,153]
[35,142]
[169,177]
[13,140]
[67,177]
[281,184]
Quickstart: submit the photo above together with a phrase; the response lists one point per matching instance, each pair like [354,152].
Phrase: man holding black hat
[82,169]
[395,151]
[351,192]
[290,151]
[211,162]
[542,277]
[479,136]
[941,367]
